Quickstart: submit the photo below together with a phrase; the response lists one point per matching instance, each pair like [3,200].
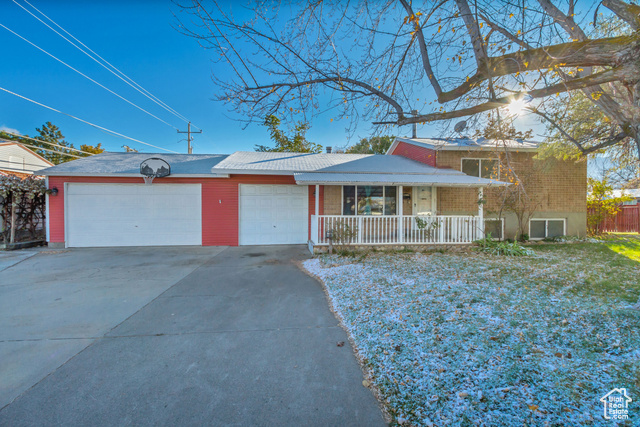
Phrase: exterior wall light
[54,191]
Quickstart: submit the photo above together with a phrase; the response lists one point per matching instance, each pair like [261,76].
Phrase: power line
[89,123]
[46,142]
[87,77]
[128,80]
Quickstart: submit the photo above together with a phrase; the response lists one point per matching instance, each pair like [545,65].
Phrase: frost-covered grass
[475,339]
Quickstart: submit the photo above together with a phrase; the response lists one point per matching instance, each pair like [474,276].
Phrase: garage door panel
[133,214]
[273,214]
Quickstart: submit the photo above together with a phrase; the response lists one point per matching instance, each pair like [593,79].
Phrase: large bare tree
[398,62]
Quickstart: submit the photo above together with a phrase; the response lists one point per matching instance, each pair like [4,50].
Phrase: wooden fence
[627,220]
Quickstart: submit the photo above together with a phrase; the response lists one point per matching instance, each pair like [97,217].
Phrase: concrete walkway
[174,336]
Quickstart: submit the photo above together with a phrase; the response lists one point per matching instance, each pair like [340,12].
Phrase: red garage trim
[413,152]
[220,202]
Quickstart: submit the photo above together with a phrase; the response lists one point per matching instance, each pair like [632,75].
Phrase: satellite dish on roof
[460,126]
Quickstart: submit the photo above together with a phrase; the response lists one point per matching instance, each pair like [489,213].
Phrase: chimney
[415,125]
[328,150]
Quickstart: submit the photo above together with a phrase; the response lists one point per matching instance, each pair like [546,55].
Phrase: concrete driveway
[173,336]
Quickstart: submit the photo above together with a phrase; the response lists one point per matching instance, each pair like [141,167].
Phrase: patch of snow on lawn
[471,339]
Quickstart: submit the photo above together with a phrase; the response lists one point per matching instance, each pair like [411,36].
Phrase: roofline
[386,183]
[135,175]
[256,171]
[455,148]
[27,149]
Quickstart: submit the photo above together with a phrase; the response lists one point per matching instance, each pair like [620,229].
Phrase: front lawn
[624,244]
[474,339]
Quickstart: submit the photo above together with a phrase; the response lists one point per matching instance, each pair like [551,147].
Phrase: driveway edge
[366,372]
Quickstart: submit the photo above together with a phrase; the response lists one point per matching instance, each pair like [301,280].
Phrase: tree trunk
[13,222]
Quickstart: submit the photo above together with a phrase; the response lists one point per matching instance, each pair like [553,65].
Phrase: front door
[424,200]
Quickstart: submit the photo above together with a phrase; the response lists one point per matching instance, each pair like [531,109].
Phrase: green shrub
[494,247]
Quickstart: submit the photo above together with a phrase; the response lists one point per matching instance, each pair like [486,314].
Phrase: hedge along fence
[22,206]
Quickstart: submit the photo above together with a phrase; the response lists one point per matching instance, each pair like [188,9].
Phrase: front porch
[395,229]
[392,200]
[397,215]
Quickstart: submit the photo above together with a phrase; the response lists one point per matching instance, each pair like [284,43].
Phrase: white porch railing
[394,229]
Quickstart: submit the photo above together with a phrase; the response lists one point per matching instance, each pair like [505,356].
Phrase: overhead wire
[87,122]
[40,140]
[109,67]
[87,77]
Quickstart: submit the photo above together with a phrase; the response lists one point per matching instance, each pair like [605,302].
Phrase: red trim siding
[220,202]
[413,152]
[312,203]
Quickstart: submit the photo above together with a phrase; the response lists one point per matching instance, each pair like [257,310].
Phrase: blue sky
[136,37]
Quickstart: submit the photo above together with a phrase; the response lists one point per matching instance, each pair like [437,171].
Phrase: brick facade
[554,185]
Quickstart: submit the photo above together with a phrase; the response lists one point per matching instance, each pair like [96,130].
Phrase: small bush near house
[601,204]
[494,247]
[22,208]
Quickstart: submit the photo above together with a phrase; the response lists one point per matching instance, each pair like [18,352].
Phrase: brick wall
[556,185]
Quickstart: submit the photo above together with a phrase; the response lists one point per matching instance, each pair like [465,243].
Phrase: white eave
[466,145]
[440,180]
[136,175]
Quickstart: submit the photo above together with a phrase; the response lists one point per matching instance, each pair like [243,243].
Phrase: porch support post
[481,211]
[317,200]
[399,201]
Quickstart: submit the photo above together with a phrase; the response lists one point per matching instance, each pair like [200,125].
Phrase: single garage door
[274,214]
[133,215]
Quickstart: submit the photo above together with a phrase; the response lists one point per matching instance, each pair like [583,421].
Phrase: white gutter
[135,175]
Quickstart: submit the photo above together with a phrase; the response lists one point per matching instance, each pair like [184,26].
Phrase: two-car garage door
[171,214]
[133,214]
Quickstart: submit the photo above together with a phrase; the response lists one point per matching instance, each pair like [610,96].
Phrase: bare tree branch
[628,12]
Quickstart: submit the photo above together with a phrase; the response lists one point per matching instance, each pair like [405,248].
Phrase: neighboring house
[15,159]
[256,198]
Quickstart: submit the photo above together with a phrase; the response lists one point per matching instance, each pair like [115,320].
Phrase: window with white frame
[495,227]
[369,200]
[545,228]
[482,168]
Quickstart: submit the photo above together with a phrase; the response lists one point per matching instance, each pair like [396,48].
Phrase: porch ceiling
[458,179]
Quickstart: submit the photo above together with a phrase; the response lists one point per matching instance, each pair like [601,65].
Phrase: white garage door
[273,214]
[133,215]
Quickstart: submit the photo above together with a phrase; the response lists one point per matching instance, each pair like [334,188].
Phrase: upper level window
[368,200]
[483,168]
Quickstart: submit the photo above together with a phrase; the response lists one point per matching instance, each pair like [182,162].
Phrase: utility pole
[189,139]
